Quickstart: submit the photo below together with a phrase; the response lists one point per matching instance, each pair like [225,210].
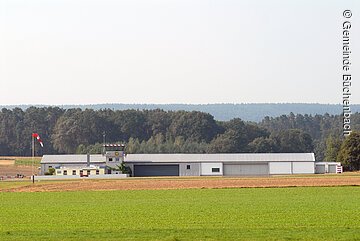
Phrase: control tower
[114,154]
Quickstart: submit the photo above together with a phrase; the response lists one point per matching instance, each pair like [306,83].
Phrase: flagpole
[33,155]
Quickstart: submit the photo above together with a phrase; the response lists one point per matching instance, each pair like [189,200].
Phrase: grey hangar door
[156,170]
[246,169]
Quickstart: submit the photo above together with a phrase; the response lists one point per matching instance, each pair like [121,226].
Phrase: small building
[328,167]
[79,170]
[69,163]
[85,165]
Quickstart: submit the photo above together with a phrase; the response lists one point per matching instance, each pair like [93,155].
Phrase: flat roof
[98,158]
[223,157]
[329,163]
[91,167]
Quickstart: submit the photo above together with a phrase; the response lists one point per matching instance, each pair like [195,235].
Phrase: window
[117,159]
[88,172]
[188,167]
[50,166]
[81,172]
[74,172]
[97,172]
[65,172]
[110,159]
[215,169]
[58,172]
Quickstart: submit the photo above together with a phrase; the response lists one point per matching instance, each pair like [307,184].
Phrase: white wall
[206,169]
[280,167]
[303,167]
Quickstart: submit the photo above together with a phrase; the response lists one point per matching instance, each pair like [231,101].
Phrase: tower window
[188,167]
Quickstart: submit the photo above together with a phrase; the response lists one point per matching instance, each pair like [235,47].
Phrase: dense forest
[160,131]
[224,112]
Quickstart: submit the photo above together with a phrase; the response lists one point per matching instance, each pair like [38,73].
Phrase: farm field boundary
[182,183]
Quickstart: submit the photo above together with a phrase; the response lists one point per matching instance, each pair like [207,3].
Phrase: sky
[59,52]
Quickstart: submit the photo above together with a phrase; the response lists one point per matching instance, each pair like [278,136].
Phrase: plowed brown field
[12,170]
[11,166]
[183,183]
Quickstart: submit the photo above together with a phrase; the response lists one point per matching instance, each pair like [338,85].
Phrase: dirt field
[7,162]
[11,170]
[11,166]
[182,183]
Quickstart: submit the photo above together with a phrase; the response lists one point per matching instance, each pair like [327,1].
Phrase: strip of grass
[27,161]
[316,213]
[10,184]
[4,185]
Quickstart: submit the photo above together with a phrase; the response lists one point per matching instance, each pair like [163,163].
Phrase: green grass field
[311,213]
[27,161]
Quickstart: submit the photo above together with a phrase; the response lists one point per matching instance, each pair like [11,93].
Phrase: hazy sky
[175,51]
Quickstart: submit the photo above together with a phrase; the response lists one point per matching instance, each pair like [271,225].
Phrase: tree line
[225,112]
[158,131]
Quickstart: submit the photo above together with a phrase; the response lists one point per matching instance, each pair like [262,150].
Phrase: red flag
[36,135]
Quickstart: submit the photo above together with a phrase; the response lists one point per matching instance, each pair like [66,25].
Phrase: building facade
[140,165]
[85,165]
[328,167]
[228,164]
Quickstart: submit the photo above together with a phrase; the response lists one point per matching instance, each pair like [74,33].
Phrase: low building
[227,164]
[79,170]
[328,167]
[85,165]
[69,163]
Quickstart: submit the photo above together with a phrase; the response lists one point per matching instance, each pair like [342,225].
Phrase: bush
[51,171]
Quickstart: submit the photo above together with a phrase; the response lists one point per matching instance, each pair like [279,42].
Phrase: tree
[159,131]
[50,172]
[195,126]
[293,140]
[349,154]
[237,136]
[224,143]
[131,123]
[96,148]
[68,134]
[333,145]
[158,121]
[75,128]
[133,146]
[319,149]
[121,168]
[263,145]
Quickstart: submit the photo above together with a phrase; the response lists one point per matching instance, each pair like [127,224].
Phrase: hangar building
[220,164]
[227,164]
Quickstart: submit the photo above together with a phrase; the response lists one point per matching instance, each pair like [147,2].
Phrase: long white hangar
[249,164]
